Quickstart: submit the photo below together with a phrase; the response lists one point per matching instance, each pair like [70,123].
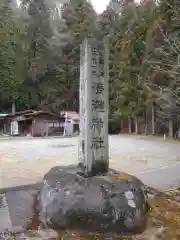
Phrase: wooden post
[171,127]
[129,125]
[93,147]
[136,125]
[153,119]
[13,108]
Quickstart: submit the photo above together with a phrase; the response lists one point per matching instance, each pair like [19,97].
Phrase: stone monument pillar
[93,146]
[94,199]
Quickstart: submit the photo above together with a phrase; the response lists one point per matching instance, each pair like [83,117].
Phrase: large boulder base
[115,202]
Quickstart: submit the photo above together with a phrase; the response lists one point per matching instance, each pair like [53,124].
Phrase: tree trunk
[129,124]
[153,119]
[121,125]
[13,108]
[136,125]
[171,128]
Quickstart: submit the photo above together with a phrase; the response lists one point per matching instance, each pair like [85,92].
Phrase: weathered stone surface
[21,206]
[29,235]
[114,202]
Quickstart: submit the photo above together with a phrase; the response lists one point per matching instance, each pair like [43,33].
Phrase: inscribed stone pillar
[81,103]
[93,148]
[60,205]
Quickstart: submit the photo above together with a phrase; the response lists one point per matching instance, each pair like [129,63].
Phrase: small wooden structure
[2,116]
[33,123]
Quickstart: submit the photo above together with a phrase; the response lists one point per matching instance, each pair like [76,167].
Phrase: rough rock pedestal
[115,202]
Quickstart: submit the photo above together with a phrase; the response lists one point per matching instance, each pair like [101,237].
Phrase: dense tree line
[40,53]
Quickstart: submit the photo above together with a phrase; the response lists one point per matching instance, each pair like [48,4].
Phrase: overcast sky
[100,5]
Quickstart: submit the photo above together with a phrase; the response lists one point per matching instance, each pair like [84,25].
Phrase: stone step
[29,235]
[5,218]
[17,207]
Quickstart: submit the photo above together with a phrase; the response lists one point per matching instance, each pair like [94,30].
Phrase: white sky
[100,5]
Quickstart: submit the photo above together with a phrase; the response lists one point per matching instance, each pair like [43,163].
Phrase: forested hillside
[40,52]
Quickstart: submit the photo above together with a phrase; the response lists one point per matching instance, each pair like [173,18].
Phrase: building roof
[3,114]
[35,113]
[31,113]
[20,113]
[70,114]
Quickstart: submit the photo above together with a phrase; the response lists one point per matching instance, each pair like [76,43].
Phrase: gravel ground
[24,161]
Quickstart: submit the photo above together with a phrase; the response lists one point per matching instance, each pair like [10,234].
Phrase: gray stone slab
[21,205]
[5,221]
[30,235]
[36,186]
[3,201]
[162,179]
